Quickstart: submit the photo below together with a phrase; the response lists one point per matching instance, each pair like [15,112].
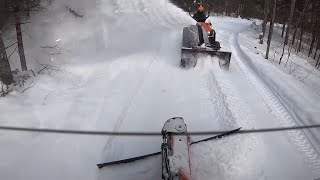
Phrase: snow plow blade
[189,57]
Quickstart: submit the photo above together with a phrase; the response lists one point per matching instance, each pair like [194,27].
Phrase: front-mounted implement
[176,164]
[200,39]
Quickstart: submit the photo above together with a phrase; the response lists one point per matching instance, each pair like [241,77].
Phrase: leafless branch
[275,51]
[10,45]
[289,53]
[7,27]
[45,98]
[11,38]
[43,69]
[33,72]
[25,23]
[291,70]
[54,69]
[57,49]
[54,53]
[48,46]
[12,52]
[75,13]
[310,72]
[30,86]
[48,68]
[27,34]
[34,6]
[36,10]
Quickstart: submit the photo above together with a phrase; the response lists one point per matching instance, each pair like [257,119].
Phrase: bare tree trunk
[301,37]
[293,4]
[5,70]
[289,53]
[225,7]
[294,36]
[265,20]
[271,28]
[318,62]
[313,38]
[317,48]
[283,28]
[239,9]
[292,7]
[20,41]
[27,8]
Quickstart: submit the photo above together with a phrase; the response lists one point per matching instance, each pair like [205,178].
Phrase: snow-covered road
[132,81]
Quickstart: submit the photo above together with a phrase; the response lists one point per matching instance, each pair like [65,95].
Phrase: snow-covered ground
[119,70]
[297,90]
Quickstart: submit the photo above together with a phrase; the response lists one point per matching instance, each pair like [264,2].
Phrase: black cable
[128,133]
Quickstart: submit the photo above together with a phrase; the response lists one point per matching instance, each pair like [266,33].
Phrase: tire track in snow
[227,154]
[237,106]
[148,14]
[298,138]
[125,109]
[218,101]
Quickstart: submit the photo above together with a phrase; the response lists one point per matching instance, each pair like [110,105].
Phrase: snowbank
[302,103]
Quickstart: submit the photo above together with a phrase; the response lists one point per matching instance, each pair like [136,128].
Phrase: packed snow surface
[119,71]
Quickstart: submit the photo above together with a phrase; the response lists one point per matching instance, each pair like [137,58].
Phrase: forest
[298,18]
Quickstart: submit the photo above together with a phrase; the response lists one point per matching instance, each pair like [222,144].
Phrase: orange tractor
[201,39]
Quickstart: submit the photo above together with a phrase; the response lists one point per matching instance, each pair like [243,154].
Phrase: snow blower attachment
[201,39]
[174,150]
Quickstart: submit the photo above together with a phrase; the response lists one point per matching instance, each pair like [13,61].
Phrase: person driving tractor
[200,15]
